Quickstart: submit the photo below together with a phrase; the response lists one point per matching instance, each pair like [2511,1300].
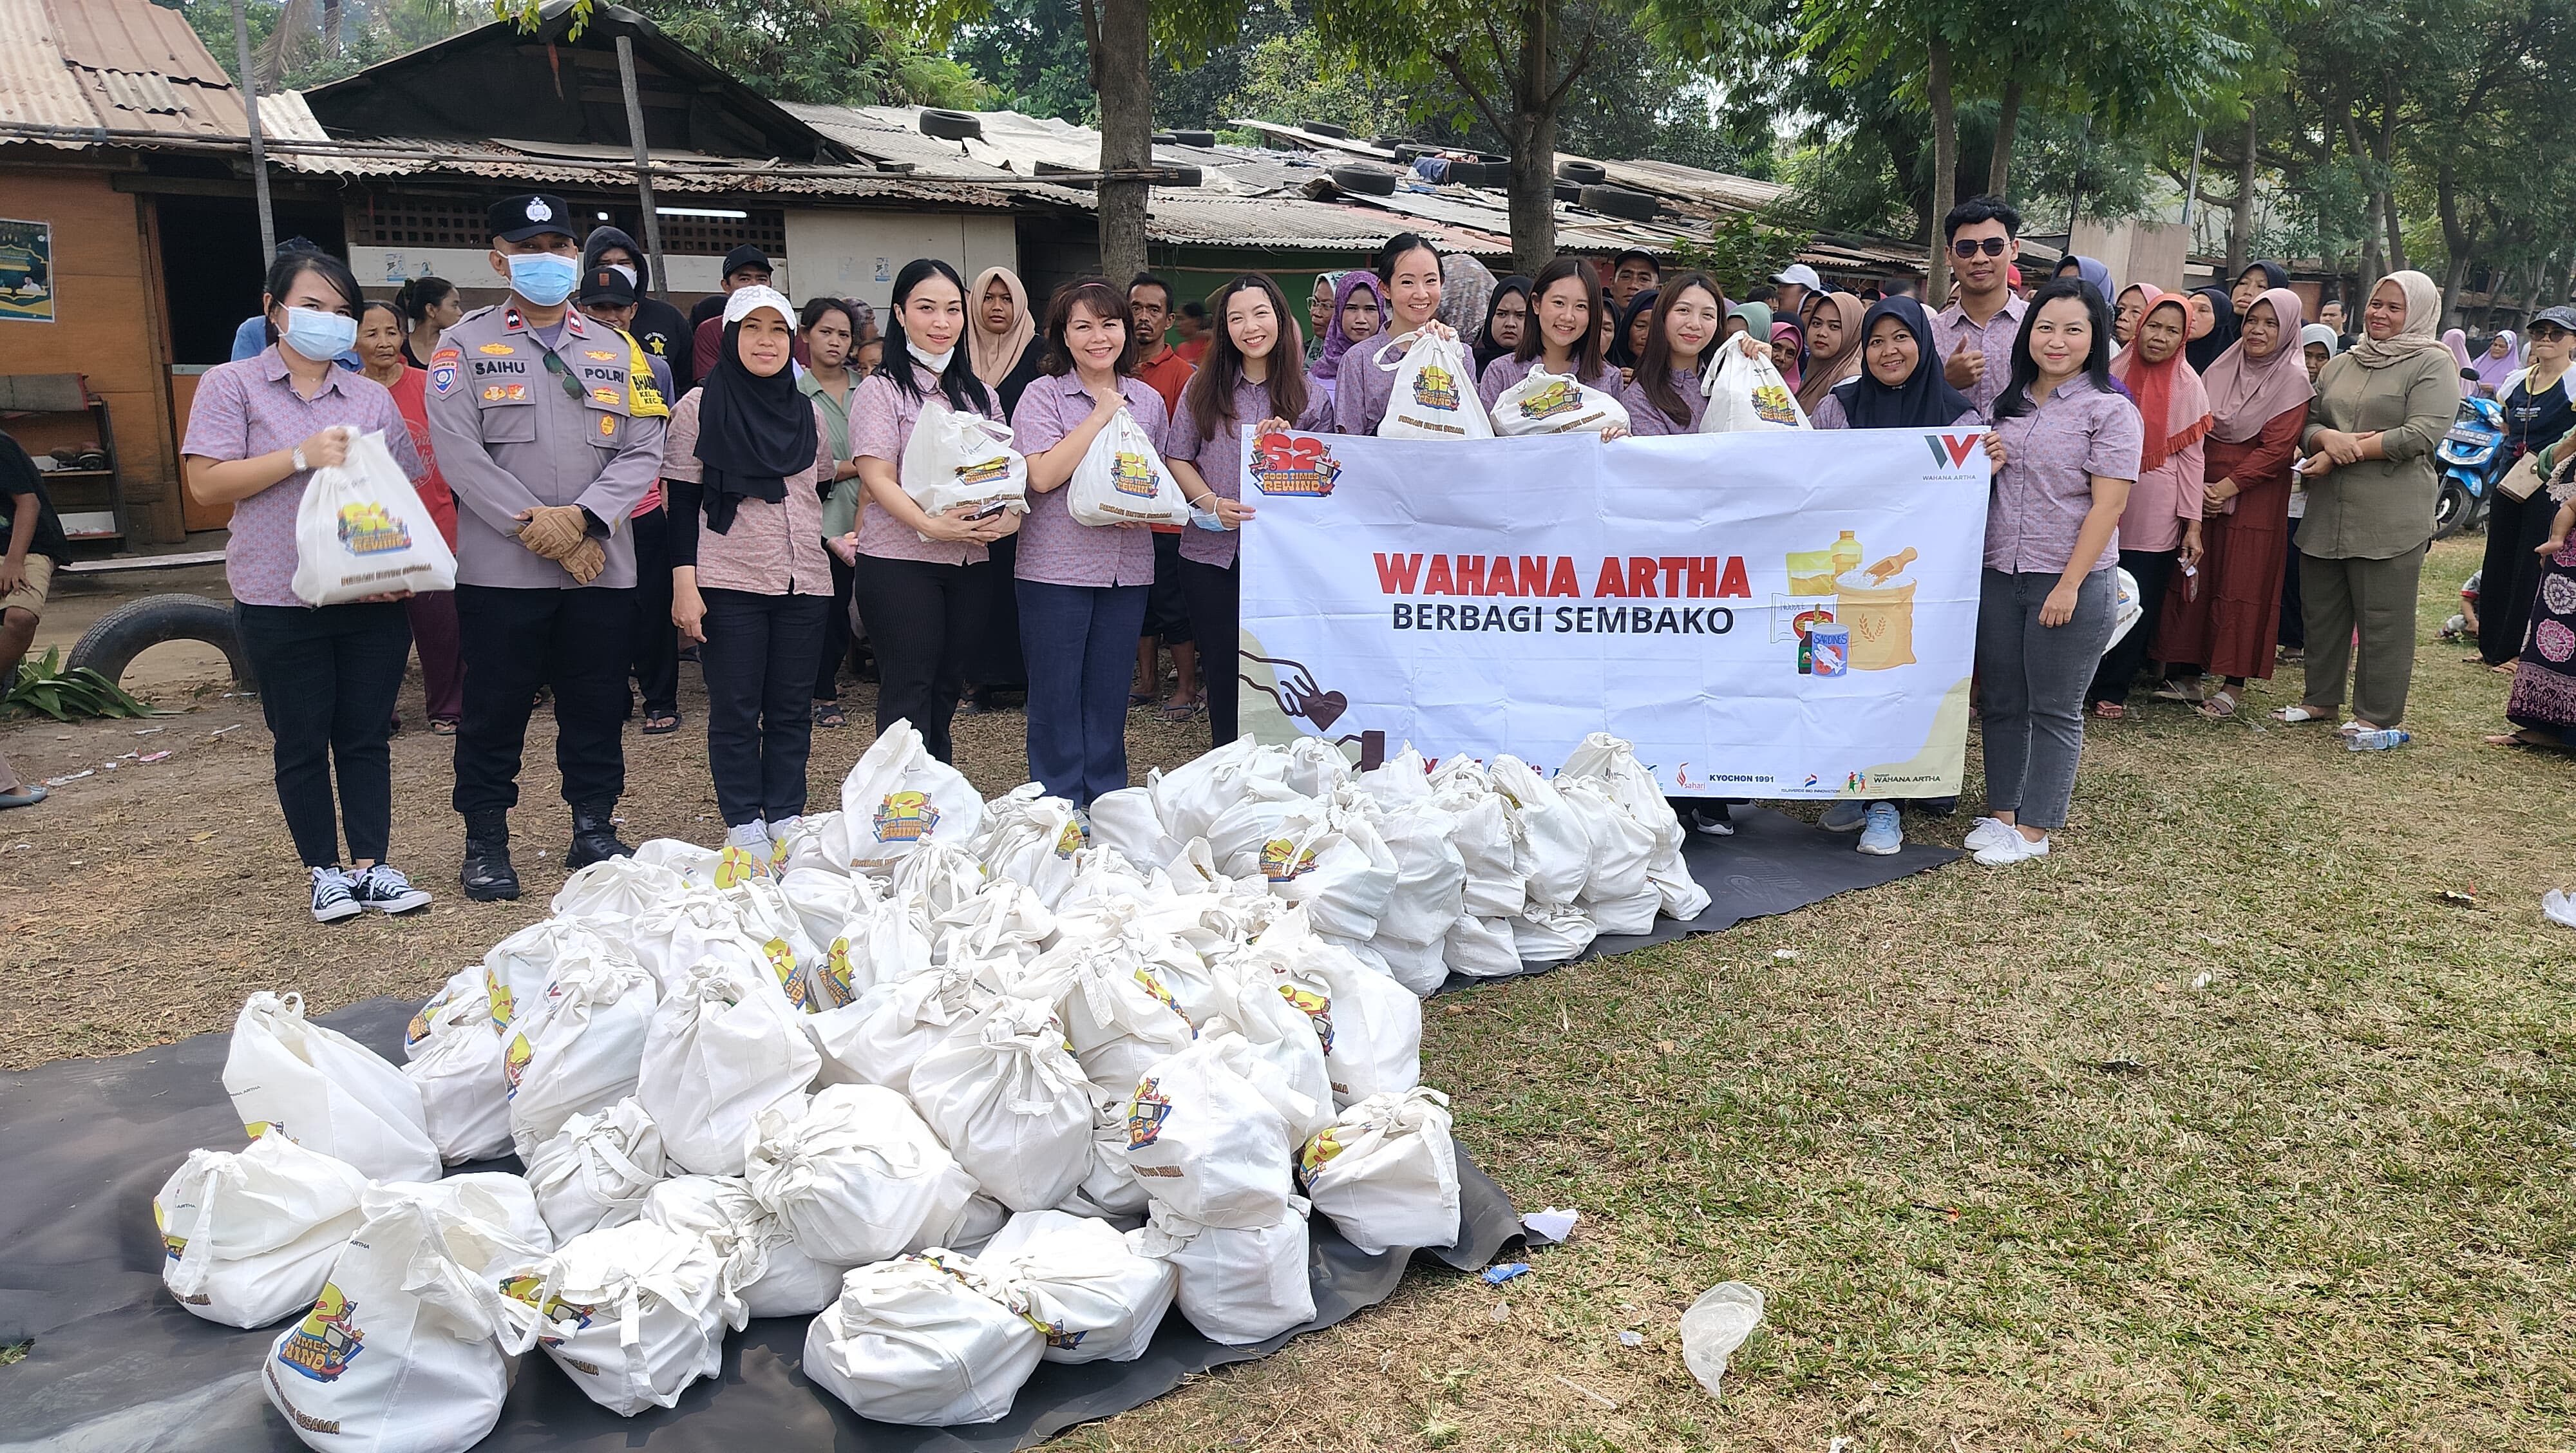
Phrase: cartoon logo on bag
[418,1029]
[514,1061]
[257,1128]
[1435,387]
[1053,1332]
[986,471]
[1145,1113]
[1314,1006]
[556,1310]
[1773,403]
[324,1344]
[1132,475]
[1281,862]
[1550,401]
[499,994]
[176,1246]
[1069,841]
[1318,1150]
[1301,466]
[1154,986]
[782,962]
[837,973]
[367,529]
[906,817]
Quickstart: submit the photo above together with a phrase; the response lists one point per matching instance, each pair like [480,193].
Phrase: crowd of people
[624,486]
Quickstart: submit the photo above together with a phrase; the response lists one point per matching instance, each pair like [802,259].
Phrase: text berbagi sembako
[1629,578]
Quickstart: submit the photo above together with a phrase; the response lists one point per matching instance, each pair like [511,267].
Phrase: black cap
[2562,315]
[531,214]
[605,285]
[745,256]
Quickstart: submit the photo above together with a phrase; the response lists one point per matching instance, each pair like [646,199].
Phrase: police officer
[549,429]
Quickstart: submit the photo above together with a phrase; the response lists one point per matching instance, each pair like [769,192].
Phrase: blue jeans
[1080,645]
[2030,689]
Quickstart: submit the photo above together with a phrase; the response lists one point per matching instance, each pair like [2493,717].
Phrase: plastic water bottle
[2378,741]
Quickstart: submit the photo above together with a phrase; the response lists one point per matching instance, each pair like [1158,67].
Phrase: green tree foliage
[854,52]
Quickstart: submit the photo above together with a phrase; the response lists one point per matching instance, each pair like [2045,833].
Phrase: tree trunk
[1534,107]
[2240,219]
[1945,166]
[331,27]
[2007,118]
[2387,158]
[1122,59]
[2459,242]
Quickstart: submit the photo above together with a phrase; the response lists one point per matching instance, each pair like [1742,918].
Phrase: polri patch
[442,371]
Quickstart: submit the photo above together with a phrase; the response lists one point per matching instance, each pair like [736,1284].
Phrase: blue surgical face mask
[543,278]
[318,335]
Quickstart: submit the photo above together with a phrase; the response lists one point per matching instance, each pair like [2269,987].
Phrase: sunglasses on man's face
[2547,333]
[1967,246]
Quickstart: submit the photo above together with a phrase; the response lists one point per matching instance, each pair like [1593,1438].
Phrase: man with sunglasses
[1975,333]
[549,429]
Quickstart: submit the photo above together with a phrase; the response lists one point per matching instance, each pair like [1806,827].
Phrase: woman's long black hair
[2015,400]
[1209,395]
[289,266]
[1587,348]
[958,381]
[414,299]
[1655,365]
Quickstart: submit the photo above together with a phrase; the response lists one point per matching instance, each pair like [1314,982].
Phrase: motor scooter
[2469,456]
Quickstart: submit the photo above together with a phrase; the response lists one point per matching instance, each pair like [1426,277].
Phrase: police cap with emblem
[533,214]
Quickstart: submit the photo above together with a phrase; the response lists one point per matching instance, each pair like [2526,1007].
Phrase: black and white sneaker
[1715,821]
[332,899]
[385,889]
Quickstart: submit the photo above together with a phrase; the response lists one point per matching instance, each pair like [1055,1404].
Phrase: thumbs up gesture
[1964,366]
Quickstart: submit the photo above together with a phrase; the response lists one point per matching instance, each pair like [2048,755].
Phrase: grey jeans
[2030,689]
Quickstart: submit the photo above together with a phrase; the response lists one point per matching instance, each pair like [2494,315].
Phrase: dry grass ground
[2218,1129]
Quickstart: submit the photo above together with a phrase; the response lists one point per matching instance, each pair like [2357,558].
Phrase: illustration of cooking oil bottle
[1846,553]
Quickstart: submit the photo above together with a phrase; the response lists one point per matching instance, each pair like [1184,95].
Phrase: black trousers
[2509,577]
[657,641]
[923,620]
[758,661]
[2154,571]
[2294,625]
[1214,597]
[993,658]
[579,643]
[836,632]
[328,679]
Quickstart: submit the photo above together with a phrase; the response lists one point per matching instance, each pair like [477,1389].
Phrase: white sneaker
[1884,836]
[385,889]
[2018,850]
[332,900]
[1987,833]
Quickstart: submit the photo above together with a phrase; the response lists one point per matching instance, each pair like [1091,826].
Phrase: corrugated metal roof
[892,135]
[134,35]
[124,65]
[543,163]
[36,85]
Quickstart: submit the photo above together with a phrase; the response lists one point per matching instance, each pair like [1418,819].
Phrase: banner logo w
[1951,450]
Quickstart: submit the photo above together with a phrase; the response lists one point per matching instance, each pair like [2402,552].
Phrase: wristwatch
[298,458]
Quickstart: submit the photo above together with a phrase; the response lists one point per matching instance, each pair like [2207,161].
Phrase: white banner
[1786,614]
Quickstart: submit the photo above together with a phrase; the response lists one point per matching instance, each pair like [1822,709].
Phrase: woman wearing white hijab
[2380,410]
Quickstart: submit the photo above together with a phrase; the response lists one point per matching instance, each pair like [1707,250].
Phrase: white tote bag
[597,1170]
[400,1352]
[1434,394]
[1078,1281]
[1238,1284]
[900,798]
[923,1341]
[854,1173]
[1555,403]
[325,1091]
[765,1267]
[495,1200]
[1387,1172]
[612,894]
[361,530]
[633,1314]
[1371,1026]
[1123,481]
[1205,1140]
[578,1050]
[722,1048]
[249,1236]
[456,1061]
[957,458]
[1749,395]
[1011,1103]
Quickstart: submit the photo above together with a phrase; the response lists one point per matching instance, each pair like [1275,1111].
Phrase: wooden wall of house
[106,326]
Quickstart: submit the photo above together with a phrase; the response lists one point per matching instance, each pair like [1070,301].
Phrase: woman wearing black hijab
[2213,327]
[1511,306]
[745,470]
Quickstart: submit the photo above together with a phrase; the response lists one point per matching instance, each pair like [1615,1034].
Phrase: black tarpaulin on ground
[118,1366]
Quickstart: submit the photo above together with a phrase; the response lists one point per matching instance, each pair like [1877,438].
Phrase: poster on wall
[26,271]
[1764,615]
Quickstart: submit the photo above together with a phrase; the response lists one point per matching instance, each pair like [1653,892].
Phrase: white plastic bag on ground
[1281,1035]
[597,1170]
[456,1062]
[959,458]
[854,1172]
[1749,395]
[1121,480]
[491,1198]
[400,1352]
[1315,766]
[1119,1013]
[1031,838]
[678,934]
[517,970]
[578,1050]
[1558,855]
[764,1266]
[249,1236]
[1081,1284]
[611,894]
[633,1314]
[889,941]
[900,798]
[1011,1103]
[922,1342]
[879,1039]
[1387,1172]
[695,865]
[1206,1141]
[1126,820]
[361,530]
[1556,403]
[466,984]
[1633,914]
[1188,799]
[1238,1285]
[1003,920]
[1434,393]
[325,1091]
[1714,1326]
[804,971]
[1614,763]
[824,900]
[1482,948]
[1553,935]
[1622,845]
[1430,873]
[1370,1026]
[1488,839]
[721,1049]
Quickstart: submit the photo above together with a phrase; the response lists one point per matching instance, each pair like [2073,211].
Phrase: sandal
[2219,705]
[828,714]
[1136,699]
[2110,710]
[441,727]
[661,726]
[1180,712]
[26,796]
[2522,738]
[2303,713]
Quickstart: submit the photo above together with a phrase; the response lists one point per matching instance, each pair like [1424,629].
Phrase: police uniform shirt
[518,425]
